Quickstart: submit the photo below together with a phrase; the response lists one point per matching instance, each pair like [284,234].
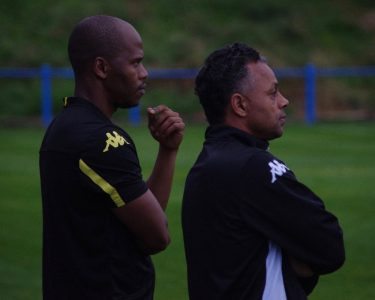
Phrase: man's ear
[239,105]
[101,67]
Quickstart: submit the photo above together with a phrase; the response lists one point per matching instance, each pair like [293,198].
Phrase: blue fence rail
[309,73]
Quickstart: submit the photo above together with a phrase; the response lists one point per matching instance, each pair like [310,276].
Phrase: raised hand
[166,126]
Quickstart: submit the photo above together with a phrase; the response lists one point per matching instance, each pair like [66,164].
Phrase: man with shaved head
[101,219]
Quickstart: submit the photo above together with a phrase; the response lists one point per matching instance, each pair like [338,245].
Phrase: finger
[153,113]
[171,126]
[157,109]
[164,119]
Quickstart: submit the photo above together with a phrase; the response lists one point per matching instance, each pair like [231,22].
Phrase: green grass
[336,160]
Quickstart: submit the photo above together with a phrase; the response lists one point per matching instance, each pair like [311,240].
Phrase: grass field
[336,160]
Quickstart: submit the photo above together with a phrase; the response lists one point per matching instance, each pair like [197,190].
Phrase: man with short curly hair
[251,229]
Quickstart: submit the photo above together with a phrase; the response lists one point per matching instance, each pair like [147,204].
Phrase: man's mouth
[142,86]
[283,119]
[142,89]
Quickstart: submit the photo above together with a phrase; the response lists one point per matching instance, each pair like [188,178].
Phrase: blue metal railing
[309,73]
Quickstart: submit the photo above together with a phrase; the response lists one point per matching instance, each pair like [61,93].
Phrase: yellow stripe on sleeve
[102,183]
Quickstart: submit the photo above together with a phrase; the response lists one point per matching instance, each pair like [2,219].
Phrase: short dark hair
[92,37]
[221,76]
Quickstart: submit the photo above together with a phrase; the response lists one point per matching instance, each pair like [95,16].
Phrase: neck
[237,123]
[96,96]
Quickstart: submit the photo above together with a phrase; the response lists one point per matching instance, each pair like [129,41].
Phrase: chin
[275,135]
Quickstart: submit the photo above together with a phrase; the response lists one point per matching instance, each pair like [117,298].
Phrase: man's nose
[143,73]
[284,102]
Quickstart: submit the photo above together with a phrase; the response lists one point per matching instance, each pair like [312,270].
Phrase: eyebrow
[274,86]
[137,58]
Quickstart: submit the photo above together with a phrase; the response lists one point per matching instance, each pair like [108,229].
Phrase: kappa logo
[114,140]
[277,169]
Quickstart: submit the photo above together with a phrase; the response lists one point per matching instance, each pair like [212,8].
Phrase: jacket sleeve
[287,212]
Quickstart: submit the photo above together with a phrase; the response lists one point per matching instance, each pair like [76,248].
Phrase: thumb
[153,111]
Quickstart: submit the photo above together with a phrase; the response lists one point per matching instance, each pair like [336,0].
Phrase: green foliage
[19,97]
[335,160]
[182,33]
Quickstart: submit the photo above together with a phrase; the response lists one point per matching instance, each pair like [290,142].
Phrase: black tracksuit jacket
[244,215]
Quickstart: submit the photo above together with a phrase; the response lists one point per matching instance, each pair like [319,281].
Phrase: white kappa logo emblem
[277,169]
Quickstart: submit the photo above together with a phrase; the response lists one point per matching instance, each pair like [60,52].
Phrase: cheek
[272,109]
[266,117]
[266,111]
[132,80]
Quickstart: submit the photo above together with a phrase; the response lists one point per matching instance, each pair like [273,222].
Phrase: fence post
[46,93]
[135,115]
[310,94]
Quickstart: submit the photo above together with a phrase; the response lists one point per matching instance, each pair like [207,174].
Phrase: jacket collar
[227,132]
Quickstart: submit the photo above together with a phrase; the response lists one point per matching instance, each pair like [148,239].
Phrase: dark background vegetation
[180,34]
